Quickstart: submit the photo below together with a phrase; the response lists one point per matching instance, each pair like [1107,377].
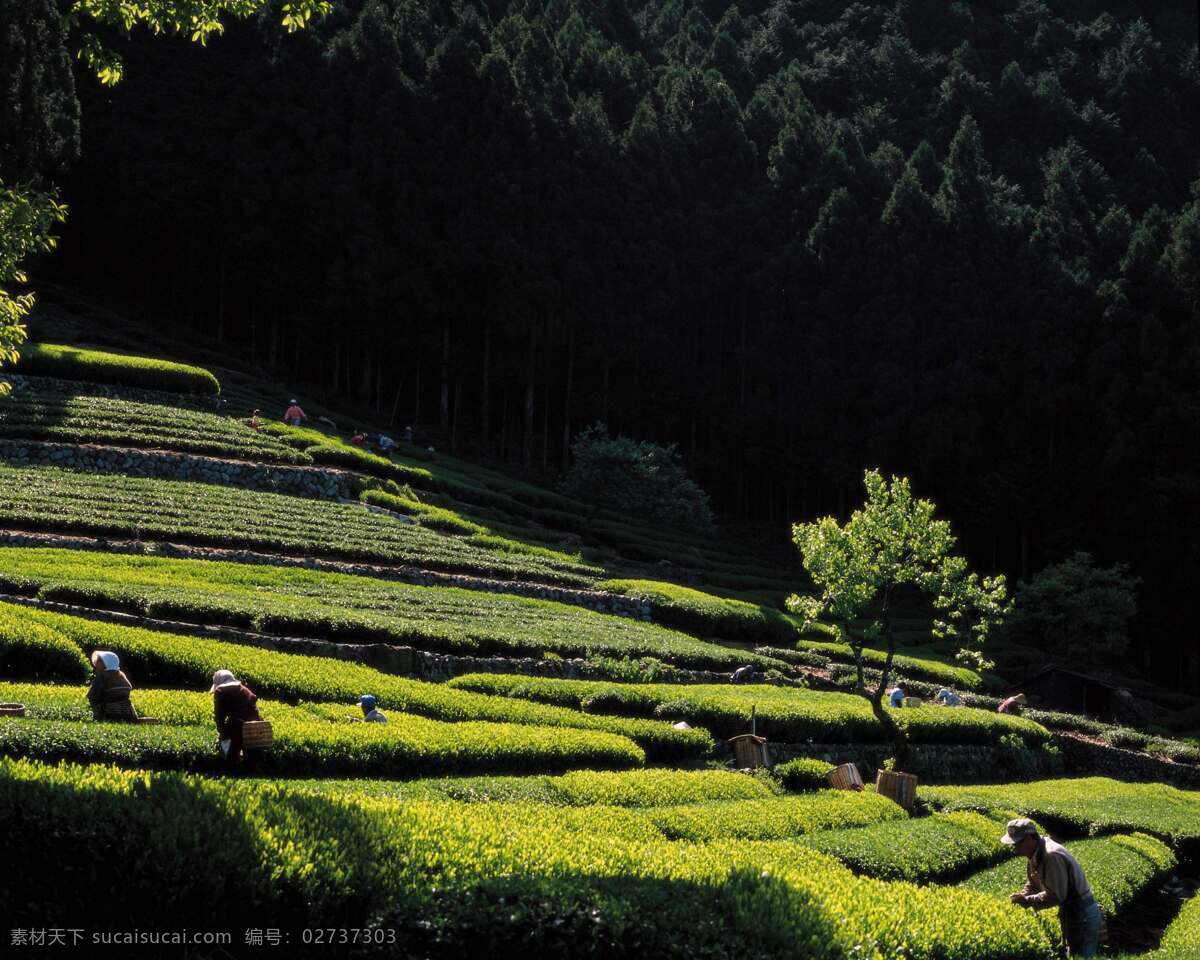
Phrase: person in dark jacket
[110,689]
[233,704]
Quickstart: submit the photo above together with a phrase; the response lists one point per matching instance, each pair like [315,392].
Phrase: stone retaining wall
[596,600]
[314,482]
[1100,759]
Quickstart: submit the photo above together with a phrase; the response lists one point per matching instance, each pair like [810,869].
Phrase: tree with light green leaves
[39,132]
[893,541]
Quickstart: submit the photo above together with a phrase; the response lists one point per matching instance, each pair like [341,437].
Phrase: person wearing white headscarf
[110,689]
[233,704]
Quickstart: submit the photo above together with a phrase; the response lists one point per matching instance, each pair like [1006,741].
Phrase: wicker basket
[845,777]
[913,701]
[149,720]
[257,734]
[12,709]
[900,787]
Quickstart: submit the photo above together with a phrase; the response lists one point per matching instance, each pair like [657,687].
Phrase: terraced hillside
[570,792]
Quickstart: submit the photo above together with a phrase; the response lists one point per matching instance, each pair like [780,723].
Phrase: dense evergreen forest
[956,241]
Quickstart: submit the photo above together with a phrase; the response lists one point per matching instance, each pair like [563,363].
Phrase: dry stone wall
[1100,759]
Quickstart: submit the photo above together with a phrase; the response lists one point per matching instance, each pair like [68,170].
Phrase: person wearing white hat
[110,689]
[233,704]
[1054,878]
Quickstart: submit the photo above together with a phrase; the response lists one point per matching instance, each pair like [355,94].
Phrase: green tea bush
[1118,868]
[702,613]
[211,514]
[457,879]
[1182,938]
[803,774]
[625,788]
[175,660]
[922,850]
[785,714]
[297,602]
[30,650]
[656,788]
[95,366]
[310,739]
[774,819]
[41,413]
[1086,805]
[908,666]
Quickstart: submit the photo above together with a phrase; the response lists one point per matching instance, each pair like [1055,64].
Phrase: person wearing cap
[896,697]
[948,697]
[110,689]
[233,704]
[294,415]
[1012,705]
[371,713]
[1055,879]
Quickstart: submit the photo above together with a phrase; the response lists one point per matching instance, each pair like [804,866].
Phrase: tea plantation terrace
[497,811]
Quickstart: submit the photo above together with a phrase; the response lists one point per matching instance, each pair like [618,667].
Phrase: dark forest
[959,242]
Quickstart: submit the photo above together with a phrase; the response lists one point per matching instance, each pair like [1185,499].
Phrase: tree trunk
[485,412]
[454,420]
[604,400]
[396,403]
[417,396]
[273,343]
[566,426]
[890,728]
[444,419]
[546,416]
[222,283]
[530,376]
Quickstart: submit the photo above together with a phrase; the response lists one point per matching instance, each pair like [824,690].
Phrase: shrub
[774,819]
[1078,610]
[625,788]
[787,714]
[42,412]
[171,659]
[211,514]
[638,478]
[908,666]
[1181,937]
[1089,805]
[461,879]
[297,602]
[31,650]
[77,363]
[310,739]
[803,774]
[1118,869]
[698,612]
[923,850]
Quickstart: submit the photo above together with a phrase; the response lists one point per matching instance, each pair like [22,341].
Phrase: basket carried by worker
[12,709]
[900,787]
[150,720]
[845,777]
[257,734]
[913,701]
[750,751]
